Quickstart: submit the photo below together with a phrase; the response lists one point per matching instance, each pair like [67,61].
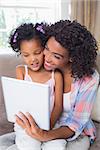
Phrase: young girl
[29,40]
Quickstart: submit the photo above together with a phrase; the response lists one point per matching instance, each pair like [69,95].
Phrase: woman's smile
[47,66]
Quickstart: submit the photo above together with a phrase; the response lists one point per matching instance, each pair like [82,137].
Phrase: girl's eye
[25,55]
[39,52]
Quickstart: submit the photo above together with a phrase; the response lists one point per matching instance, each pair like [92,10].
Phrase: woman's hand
[28,124]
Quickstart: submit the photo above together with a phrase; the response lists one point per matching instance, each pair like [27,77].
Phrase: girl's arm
[58,99]
[20,72]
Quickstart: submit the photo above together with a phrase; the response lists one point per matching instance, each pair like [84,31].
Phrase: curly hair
[80,44]
[27,31]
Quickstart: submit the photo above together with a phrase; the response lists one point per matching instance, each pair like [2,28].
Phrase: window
[15,12]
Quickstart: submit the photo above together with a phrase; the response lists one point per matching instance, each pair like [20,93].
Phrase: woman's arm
[27,122]
[79,116]
[76,121]
[58,99]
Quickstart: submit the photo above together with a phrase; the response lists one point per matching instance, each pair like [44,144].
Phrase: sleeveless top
[66,96]
[50,82]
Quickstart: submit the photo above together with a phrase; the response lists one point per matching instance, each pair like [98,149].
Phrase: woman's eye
[57,57]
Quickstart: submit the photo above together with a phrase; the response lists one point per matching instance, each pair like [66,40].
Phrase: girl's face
[32,53]
[56,56]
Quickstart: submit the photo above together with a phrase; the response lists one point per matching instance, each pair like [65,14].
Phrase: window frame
[54,5]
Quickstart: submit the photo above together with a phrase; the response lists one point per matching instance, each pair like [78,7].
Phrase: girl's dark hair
[80,44]
[27,31]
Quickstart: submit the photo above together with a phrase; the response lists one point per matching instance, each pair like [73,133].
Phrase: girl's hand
[28,124]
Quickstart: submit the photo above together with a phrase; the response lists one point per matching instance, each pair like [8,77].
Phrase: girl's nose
[32,58]
[48,56]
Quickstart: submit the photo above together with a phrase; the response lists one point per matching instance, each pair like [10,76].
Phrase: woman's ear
[70,60]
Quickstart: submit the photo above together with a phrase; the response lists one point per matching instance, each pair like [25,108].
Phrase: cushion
[98,61]
[96,108]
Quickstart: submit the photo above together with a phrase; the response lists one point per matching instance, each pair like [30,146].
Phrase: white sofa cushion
[96,108]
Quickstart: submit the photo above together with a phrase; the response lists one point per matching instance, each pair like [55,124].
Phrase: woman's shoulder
[88,82]
[94,77]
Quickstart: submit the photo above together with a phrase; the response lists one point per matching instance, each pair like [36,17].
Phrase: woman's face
[56,56]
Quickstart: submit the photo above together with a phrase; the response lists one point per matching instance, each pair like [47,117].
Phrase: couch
[8,62]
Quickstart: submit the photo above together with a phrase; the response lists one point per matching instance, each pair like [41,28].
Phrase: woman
[72,49]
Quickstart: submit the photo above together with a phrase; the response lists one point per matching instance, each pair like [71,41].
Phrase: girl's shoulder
[20,68]
[20,71]
[57,75]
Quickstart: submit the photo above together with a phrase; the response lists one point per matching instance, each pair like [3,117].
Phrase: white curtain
[87,12]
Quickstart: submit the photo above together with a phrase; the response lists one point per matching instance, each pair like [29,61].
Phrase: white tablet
[25,96]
